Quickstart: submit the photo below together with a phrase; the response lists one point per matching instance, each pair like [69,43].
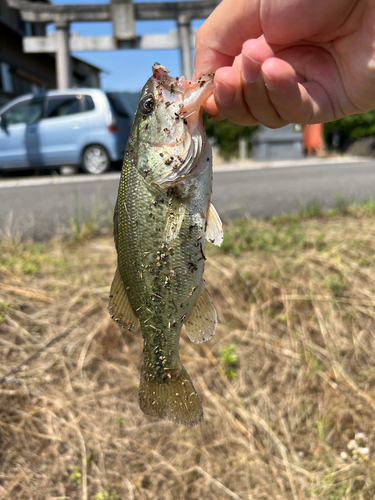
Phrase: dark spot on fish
[191,228]
[169,160]
[192,267]
[201,84]
[146,126]
[161,154]
[208,159]
[167,131]
[203,256]
[167,104]
[185,121]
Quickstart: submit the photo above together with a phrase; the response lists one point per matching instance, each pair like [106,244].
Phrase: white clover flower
[358,447]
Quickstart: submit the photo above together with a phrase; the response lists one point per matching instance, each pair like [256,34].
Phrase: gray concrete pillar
[242,148]
[183,24]
[63,59]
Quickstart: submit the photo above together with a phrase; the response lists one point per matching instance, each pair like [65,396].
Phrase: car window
[88,103]
[116,105]
[27,112]
[63,105]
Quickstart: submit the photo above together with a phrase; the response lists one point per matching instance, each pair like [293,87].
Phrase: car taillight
[112,128]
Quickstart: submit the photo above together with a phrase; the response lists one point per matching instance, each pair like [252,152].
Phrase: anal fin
[214,230]
[119,306]
[202,321]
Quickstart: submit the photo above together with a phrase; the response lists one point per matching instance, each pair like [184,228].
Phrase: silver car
[86,127]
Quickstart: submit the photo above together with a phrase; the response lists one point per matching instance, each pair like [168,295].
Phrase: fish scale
[162,212]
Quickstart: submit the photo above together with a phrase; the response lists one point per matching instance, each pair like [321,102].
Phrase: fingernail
[250,69]
[223,92]
[268,81]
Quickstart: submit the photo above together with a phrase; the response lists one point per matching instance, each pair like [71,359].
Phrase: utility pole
[63,59]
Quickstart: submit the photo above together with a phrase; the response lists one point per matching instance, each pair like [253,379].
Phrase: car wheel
[95,159]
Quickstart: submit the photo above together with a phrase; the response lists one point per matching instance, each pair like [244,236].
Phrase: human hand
[288,61]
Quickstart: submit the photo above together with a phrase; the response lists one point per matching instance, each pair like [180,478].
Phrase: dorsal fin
[202,321]
[119,306]
[214,229]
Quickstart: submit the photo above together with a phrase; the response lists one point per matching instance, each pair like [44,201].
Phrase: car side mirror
[2,122]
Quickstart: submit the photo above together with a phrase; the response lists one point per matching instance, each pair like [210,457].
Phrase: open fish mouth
[188,94]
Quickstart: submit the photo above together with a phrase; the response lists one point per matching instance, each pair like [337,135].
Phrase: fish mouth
[189,94]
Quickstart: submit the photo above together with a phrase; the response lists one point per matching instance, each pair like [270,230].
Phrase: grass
[287,382]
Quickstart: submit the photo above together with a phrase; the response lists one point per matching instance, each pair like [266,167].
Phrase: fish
[162,218]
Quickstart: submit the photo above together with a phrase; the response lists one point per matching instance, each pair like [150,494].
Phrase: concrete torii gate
[122,13]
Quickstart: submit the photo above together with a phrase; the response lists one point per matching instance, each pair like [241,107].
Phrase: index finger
[221,36]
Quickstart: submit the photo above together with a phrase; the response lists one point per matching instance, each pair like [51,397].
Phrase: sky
[126,70]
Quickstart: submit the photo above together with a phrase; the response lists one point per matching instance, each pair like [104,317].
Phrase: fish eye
[147,104]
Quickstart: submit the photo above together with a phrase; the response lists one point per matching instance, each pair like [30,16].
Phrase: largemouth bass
[162,217]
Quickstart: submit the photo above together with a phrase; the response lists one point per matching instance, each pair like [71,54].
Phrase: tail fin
[170,396]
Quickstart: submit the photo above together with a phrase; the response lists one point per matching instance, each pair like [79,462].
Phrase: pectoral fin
[202,321]
[214,229]
[119,306]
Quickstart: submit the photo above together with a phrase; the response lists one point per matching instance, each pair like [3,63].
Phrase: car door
[19,134]
[60,130]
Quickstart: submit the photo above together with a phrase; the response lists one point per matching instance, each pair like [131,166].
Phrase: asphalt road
[42,207]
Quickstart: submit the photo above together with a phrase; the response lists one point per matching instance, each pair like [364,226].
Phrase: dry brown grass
[296,300]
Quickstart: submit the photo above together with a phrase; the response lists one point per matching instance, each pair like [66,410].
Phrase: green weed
[76,476]
[335,283]
[229,359]
[106,495]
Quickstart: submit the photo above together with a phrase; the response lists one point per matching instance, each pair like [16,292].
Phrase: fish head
[169,126]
